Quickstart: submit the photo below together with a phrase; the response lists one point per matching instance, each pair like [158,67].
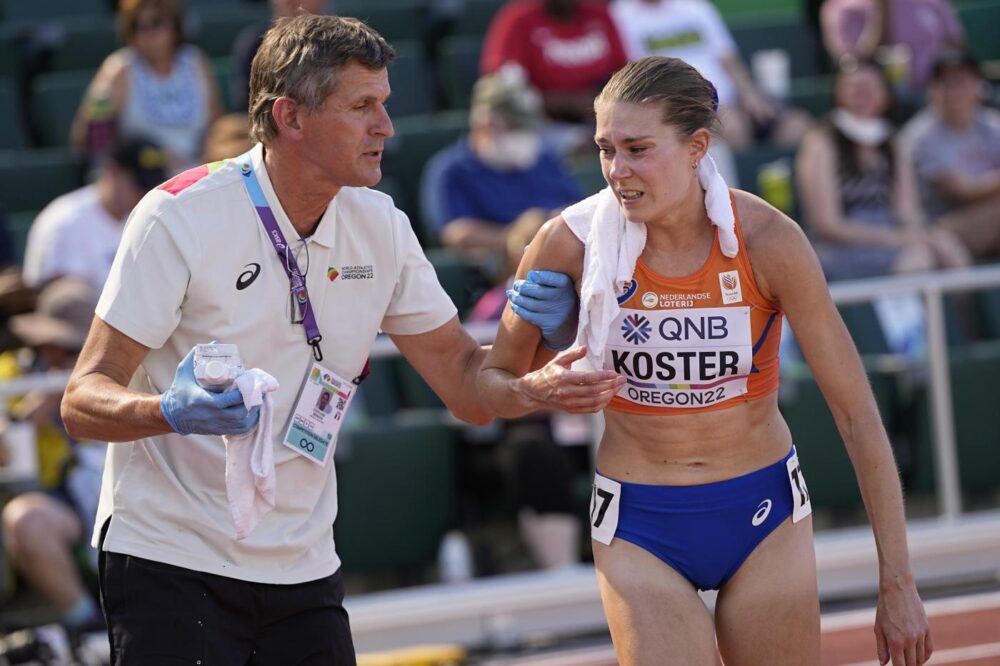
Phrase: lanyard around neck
[295,278]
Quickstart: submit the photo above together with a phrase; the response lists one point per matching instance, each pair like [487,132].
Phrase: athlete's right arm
[98,403]
[505,383]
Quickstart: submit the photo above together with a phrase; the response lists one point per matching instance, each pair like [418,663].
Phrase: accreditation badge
[319,414]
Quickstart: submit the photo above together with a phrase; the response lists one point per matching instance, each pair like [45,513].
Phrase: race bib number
[801,506]
[319,414]
[604,501]
[684,358]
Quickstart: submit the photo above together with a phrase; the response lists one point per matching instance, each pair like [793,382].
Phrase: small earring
[694,165]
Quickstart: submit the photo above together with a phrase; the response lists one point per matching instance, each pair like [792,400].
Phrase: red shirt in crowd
[578,54]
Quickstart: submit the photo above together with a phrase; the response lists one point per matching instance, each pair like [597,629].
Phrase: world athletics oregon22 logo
[636,329]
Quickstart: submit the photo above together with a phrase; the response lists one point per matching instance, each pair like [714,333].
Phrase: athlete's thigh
[655,615]
[768,613]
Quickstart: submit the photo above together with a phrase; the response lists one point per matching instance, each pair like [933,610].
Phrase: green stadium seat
[459,68]
[394,19]
[397,493]
[13,38]
[416,140]
[80,44]
[215,4]
[380,391]
[461,280]
[27,10]
[55,99]
[813,94]
[30,179]
[476,16]
[737,10]
[215,28]
[588,174]
[19,226]
[973,372]
[409,78]
[13,134]
[784,31]
[221,68]
[981,22]
[862,324]
[414,392]
[749,166]
[827,468]
[989,312]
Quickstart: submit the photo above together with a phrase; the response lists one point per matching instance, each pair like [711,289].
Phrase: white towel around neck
[613,244]
[250,477]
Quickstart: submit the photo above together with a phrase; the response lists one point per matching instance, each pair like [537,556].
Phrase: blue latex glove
[548,300]
[189,408]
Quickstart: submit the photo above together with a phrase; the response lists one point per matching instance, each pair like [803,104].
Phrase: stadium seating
[827,468]
[397,493]
[417,139]
[78,44]
[394,19]
[587,173]
[476,16]
[459,68]
[19,224]
[55,99]
[981,21]
[409,77]
[215,28]
[973,372]
[13,134]
[30,179]
[49,10]
[785,31]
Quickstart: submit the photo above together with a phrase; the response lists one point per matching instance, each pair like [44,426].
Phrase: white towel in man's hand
[613,244]
[250,477]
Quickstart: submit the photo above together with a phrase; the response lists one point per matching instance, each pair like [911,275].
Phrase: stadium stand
[412,454]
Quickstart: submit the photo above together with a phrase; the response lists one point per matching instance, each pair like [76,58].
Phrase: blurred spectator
[156,86]
[78,233]
[914,31]
[473,191]
[865,219]
[229,136]
[568,48]
[43,529]
[953,149]
[693,31]
[15,298]
[249,39]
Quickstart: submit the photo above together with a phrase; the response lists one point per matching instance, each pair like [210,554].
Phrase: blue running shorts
[704,532]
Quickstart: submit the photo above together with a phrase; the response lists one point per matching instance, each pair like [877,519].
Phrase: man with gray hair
[285,253]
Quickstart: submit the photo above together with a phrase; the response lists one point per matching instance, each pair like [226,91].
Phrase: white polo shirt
[691,30]
[74,235]
[183,276]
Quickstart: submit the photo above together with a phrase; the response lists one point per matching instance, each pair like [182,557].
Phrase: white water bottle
[455,558]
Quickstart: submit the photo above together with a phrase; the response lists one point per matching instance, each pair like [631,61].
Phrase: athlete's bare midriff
[691,449]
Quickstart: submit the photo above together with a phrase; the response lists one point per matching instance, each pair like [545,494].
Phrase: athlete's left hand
[556,386]
[902,632]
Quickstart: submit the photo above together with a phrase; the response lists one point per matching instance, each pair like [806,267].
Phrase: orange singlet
[697,343]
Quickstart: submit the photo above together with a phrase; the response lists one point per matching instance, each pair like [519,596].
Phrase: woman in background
[156,86]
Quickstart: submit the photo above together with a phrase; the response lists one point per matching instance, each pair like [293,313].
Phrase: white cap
[216,371]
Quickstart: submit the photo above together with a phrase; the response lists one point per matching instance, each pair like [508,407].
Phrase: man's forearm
[98,408]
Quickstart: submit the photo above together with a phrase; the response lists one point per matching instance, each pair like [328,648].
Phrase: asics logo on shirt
[246,278]
[763,511]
